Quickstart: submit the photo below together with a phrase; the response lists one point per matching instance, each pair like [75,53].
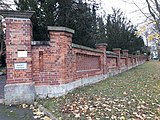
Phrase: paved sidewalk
[15,113]
[12,112]
[2,84]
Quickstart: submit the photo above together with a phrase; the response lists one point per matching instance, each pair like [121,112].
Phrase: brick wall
[19,85]
[123,62]
[56,67]
[18,38]
[87,62]
[112,62]
[53,66]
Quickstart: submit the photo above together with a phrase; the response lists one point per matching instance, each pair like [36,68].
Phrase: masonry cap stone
[125,50]
[17,14]
[102,44]
[85,48]
[61,29]
[40,42]
[138,52]
[116,48]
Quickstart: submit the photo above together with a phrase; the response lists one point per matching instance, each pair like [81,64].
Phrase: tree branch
[149,8]
[157,6]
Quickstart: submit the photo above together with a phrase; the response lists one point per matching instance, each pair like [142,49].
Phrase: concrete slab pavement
[12,112]
[2,84]
[15,113]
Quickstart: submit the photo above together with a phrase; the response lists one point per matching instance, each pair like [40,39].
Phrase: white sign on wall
[20,66]
[22,53]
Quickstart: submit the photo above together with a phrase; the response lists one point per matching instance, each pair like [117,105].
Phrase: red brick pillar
[132,60]
[102,47]
[19,86]
[125,53]
[61,43]
[118,51]
[138,57]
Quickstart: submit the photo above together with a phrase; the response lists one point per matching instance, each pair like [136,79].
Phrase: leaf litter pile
[133,95]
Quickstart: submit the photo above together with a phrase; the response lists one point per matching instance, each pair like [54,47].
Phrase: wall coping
[130,55]
[125,50]
[123,56]
[111,53]
[85,48]
[40,43]
[102,44]
[60,29]
[17,14]
[116,49]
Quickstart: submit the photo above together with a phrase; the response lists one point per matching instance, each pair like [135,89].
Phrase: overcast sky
[129,8]
[131,11]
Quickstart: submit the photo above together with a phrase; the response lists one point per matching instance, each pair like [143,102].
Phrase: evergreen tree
[121,33]
[74,14]
[81,16]
[101,31]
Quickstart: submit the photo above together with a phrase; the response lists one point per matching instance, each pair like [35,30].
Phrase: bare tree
[153,15]
[154,10]
[6,4]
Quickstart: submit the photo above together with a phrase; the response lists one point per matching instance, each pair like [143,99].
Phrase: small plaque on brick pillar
[22,53]
[20,66]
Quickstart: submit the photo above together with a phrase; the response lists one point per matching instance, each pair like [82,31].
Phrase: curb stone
[46,112]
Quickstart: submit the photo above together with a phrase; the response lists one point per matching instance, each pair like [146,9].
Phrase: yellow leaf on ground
[24,106]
